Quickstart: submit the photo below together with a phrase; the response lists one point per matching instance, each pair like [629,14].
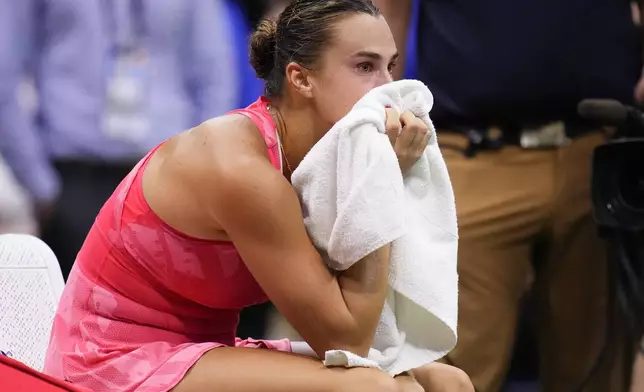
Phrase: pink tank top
[179,283]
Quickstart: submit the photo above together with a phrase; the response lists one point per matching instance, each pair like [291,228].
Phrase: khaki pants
[518,209]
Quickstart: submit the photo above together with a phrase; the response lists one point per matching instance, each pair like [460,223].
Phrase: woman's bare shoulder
[197,172]
[226,157]
[216,145]
[227,135]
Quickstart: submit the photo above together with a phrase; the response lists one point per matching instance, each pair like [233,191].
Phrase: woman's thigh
[229,369]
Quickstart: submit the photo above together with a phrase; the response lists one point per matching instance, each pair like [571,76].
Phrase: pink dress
[144,302]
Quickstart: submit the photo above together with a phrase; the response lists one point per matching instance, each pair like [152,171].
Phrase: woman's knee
[460,381]
[439,377]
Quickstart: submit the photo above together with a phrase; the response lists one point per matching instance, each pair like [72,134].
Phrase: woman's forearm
[364,288]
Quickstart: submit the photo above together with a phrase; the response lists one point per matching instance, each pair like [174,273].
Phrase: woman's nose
[384,78]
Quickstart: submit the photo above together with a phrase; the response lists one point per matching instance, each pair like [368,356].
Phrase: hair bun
[262,48]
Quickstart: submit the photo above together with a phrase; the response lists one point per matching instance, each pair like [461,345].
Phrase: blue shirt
[68,46]
[495,61]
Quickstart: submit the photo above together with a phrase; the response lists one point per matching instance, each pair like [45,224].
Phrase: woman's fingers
[408,134]
[415,134]
[392,125]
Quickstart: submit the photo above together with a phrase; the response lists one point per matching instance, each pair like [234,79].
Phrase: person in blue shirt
[507,77]
[113,78]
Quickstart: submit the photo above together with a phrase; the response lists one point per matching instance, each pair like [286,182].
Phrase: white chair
[31,284]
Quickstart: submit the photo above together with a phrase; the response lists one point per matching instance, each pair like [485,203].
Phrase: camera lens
[631,184]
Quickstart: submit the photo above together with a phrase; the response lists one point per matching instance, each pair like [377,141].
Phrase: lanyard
[125,25]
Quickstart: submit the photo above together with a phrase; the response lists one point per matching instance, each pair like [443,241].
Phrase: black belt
[543,136]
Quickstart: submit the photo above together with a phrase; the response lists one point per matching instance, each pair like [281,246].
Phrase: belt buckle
[551,135]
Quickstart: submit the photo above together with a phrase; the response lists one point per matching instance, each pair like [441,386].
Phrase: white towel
[355,200]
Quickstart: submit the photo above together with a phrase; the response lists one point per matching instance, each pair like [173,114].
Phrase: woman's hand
[408,135]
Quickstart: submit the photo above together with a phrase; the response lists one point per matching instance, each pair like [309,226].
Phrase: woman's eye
[391,67]
[365,67]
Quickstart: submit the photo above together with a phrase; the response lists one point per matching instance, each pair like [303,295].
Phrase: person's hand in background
[639,88]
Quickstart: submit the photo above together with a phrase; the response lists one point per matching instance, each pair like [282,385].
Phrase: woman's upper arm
[261,214]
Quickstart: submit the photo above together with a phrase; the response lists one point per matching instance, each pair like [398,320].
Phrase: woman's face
[361,56]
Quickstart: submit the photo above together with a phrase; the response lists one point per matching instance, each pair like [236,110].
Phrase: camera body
[618,185]
[618,206]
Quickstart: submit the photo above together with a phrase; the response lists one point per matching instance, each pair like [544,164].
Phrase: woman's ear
[298,78]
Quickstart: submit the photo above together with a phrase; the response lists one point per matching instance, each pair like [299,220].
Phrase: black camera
[618,206]
[618,167]
[618,185]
